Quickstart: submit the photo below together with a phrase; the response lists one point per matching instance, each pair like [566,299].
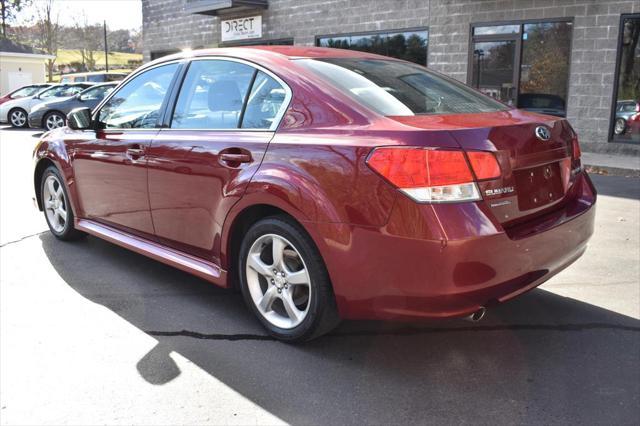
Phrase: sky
[119,14]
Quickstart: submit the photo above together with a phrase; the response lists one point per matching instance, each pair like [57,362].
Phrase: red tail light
[484,165]
[429,175]
[576,148]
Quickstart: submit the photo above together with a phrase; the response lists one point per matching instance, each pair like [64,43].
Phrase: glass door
[493,69]
[494,61]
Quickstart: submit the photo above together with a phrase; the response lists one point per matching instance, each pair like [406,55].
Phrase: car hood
[20,102]
[55,102]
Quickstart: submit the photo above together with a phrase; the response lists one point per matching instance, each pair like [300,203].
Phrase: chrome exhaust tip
[477,315]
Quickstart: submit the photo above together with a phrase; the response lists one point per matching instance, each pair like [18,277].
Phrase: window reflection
[492,70]
[626,126]
[544,68]
[496,29]
[408,45]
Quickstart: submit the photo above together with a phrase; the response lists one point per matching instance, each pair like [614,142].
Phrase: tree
[90,41]
[9,10]
[48,30]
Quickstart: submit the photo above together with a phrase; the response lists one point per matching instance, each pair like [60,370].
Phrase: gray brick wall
[166,26]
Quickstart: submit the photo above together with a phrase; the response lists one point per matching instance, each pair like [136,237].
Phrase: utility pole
[106,49]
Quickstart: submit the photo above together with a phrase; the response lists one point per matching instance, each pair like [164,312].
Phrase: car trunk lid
[534,152]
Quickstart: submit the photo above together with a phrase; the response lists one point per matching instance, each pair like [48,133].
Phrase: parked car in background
[326,184]
[95,77]
[53,114]
[16,112]
[627,117]
[543,103]
[23,91]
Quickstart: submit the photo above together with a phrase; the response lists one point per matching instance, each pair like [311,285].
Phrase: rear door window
[264,103]
[212,95]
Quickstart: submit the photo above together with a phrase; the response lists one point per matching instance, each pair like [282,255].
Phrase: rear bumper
[434,261]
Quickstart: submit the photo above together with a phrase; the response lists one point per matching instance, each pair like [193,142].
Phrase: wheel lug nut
[279,290]
[282,274]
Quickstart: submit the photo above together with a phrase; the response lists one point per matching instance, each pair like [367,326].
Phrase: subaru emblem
[543,133]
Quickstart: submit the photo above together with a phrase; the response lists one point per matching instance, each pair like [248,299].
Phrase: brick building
[579,58]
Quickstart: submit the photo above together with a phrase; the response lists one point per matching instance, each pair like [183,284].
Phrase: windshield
[26,91]
[399,88]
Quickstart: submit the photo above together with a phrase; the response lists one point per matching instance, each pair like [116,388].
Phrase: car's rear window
[398,88]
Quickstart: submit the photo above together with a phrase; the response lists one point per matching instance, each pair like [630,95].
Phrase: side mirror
[79,119]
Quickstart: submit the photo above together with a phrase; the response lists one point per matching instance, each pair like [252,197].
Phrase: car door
[109,162]
[199,166]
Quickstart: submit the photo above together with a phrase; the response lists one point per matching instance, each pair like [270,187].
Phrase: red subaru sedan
[326,184]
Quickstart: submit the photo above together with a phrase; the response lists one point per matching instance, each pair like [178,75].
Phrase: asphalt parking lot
[93,334]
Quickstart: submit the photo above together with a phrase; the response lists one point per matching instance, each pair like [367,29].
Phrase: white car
[16,112]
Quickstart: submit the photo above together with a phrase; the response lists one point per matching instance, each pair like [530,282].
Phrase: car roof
[290,52]
[80,74]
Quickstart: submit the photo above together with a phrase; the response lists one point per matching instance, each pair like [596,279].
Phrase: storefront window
[410,45]
[626,114]
[524,65]
[544,69]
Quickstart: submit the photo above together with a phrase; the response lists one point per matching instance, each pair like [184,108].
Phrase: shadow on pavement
[617,186]
[541,358]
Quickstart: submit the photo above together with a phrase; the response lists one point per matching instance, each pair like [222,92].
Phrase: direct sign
[241,28]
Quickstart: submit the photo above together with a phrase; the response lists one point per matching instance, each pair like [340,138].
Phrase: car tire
[18,118]
[293,297]
[56,206]
[620,126]
[54,120]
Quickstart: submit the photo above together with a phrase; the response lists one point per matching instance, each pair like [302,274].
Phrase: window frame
[284,41]
[378,32]
[517,37]
[96,111]
[616,78]
[175,92]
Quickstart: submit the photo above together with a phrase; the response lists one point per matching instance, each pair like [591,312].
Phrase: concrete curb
[611,171]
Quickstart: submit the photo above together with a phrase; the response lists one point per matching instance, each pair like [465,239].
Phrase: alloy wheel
[619,126]
[54,121]
[55,203]
[278,281]
[18,118]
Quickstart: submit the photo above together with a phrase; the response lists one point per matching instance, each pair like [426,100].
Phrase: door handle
[136,151]
[234,159]
[229,157]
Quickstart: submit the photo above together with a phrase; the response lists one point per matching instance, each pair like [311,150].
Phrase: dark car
[23,91]
[326,184]
[627,117]
[53,114]
[543,103]
[95,77]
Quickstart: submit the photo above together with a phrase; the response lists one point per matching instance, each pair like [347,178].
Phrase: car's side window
[72,90]
[265,100]
[54,92]
[212,95]
[96,93]
[137,104]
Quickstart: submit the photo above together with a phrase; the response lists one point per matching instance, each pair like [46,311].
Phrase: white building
[20,65]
